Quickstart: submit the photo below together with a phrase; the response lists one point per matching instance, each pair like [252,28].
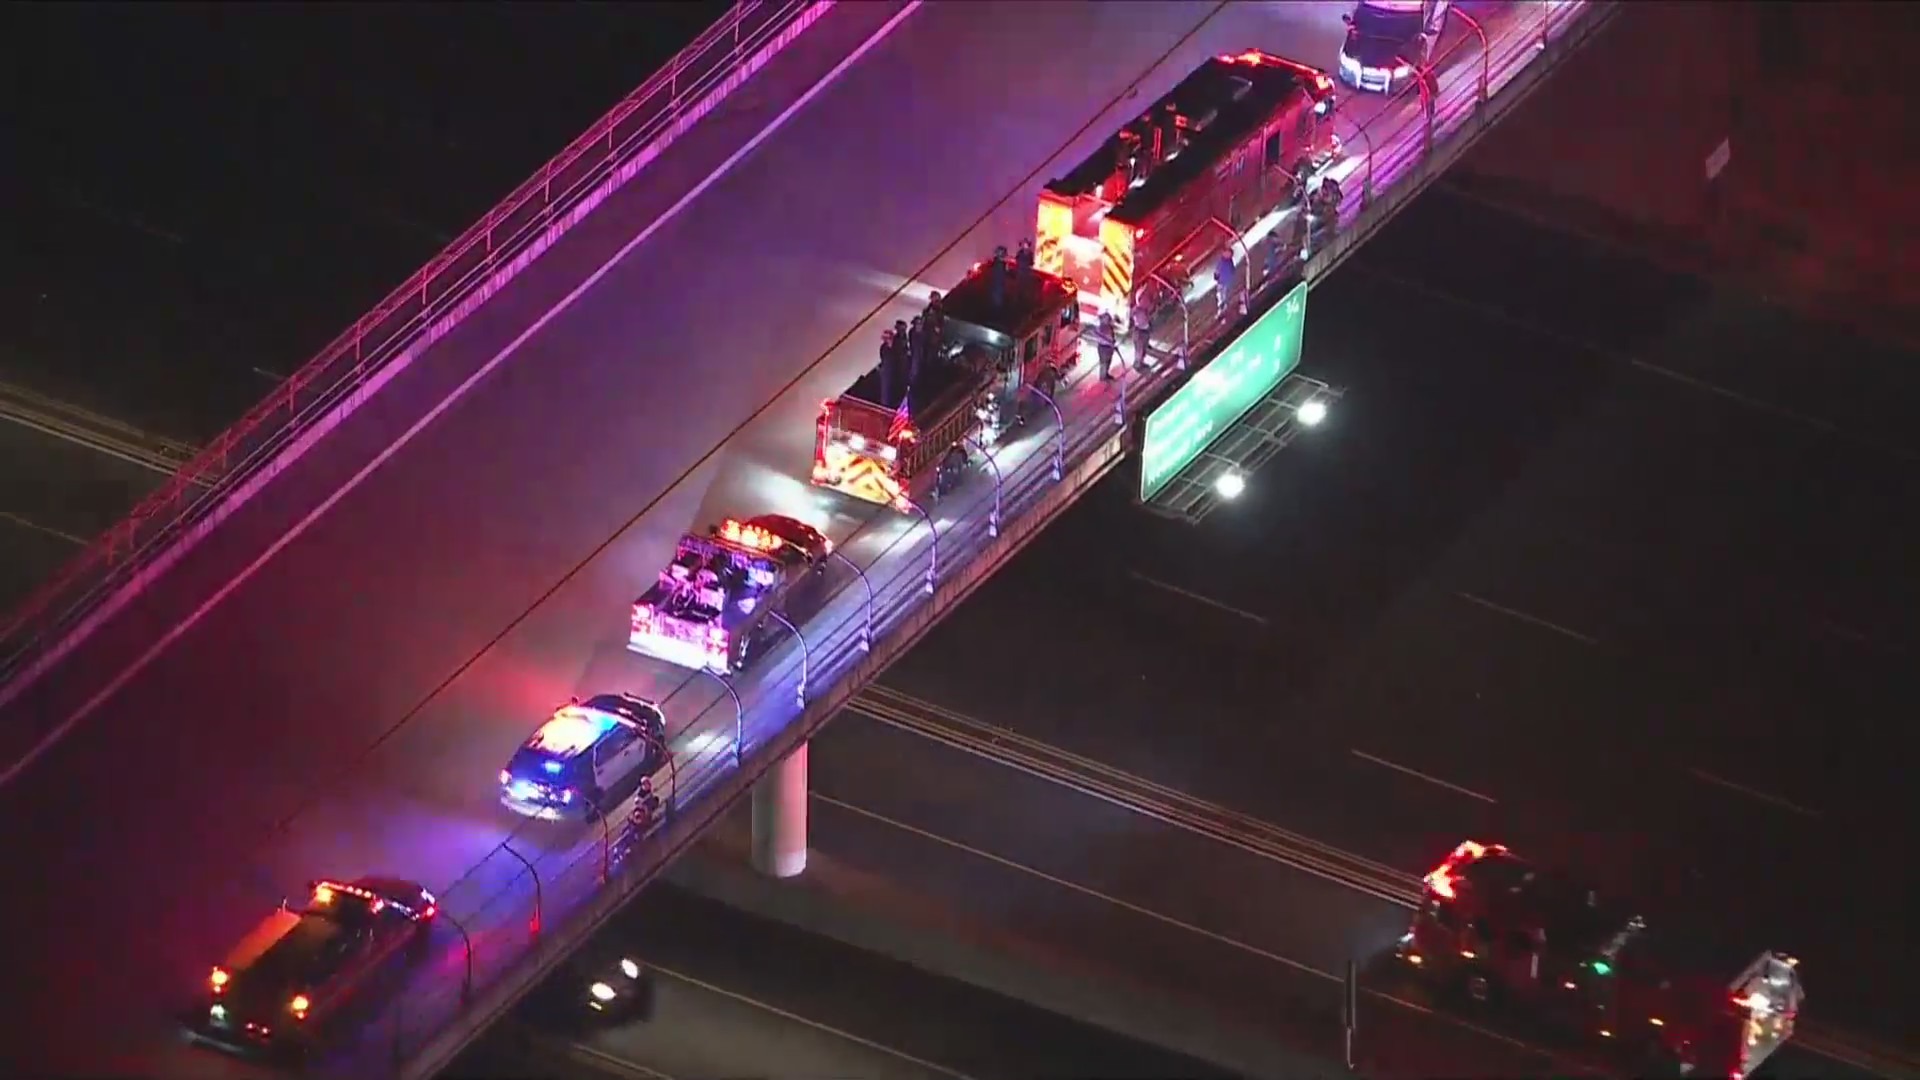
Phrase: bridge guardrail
[735,735]
[414,316]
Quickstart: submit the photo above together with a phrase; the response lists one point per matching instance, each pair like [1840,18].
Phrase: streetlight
[1310,413]
[1230,484]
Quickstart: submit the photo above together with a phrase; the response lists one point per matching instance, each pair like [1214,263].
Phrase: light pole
[993,519]
[806,655]
[933,559]
[1060,439]
[866,635]
[739,714]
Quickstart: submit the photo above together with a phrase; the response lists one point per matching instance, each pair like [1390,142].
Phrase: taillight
[219,979]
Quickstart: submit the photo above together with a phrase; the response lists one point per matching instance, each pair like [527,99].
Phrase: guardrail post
[993,519]
[1350,1008]
[933,559]
[1426,105]
[533,927]
[806,654]
[1186,323]
[739,716]
[1060,436]
[1486,58]
[466,944]
[866,634]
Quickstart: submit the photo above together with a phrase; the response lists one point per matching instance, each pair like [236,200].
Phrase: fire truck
[1000,331]
[1503,931]
[1222,150]
[713,606]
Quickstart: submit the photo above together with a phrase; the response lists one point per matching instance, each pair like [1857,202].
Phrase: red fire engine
[1001,330]
[1502,930]
[1215,155]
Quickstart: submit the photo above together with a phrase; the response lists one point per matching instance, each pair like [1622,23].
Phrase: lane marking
[1808,420]
[1789,805]
[1533,620]
[272,376]
[99,444]
[1418,775]
[165,641]
[613,1063]
[1197,598]
[816,1025]
[1181,924]
[35,526]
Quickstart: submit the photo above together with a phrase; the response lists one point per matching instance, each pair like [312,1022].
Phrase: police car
[301,966]
[582,751]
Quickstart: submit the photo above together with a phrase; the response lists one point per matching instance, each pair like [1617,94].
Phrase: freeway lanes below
[737,995]
[1563,570]
[182,773]
[55,496]
[987,874]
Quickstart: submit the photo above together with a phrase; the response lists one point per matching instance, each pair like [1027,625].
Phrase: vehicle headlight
[601,992]
[888,453]
[218,1012]
[856,443]
[630,969]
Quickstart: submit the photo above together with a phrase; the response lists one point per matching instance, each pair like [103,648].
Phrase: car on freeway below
[301,968]
[594,989]
[581,753]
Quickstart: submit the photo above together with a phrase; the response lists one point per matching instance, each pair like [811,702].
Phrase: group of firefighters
[908,348]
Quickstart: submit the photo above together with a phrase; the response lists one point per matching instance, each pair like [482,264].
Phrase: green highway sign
[1245,371]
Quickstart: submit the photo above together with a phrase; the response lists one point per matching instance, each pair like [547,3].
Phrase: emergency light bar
[1440,880]
[756,537]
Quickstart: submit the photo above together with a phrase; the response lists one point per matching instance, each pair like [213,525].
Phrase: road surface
[56,495]
[737,995]
[314,157]
[1593,560]
[253,728]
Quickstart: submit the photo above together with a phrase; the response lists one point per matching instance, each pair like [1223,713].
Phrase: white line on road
[816,1025]
[86,441]
[1533,620]
[1197,598]
[1418,775]
[272,375]
[1789,805]
[39,528]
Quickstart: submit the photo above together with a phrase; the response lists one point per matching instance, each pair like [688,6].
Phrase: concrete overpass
[311,653]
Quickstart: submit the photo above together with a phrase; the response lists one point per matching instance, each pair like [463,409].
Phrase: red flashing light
[1139,234]
[1441,878]
[325,891]
[749,536]
[299,1006]
[219,980]
[907,435]
[1322,83]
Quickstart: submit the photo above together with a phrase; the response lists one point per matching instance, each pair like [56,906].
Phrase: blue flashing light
[552,766]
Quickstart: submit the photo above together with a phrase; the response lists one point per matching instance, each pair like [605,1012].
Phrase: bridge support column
[780,817]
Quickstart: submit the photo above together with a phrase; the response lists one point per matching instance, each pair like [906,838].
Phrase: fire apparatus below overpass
[327,681]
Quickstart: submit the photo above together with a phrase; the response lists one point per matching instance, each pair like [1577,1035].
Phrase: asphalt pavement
[338,686]
[255,179]
[738,995]
[56,495]
[1599,561]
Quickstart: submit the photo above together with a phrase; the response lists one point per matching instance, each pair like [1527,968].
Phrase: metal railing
[417,314]
[734,731]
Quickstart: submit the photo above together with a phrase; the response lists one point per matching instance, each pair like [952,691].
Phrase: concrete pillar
[780,817]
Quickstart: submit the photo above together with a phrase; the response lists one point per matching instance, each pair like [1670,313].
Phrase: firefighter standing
[1023,260]
[997,276]
[916,349]
[936,327]
[1104,340]
[1142,331]
[1223,282]
[889,368]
